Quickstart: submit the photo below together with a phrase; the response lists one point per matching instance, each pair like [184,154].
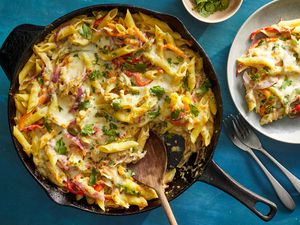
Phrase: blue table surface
[24,202]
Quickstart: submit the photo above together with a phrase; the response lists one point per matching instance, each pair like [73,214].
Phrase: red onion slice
[270,81]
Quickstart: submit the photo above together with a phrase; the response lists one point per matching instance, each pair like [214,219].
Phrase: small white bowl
[216,17]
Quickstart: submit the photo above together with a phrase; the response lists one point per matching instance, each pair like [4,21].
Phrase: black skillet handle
[19,39]
[215,176]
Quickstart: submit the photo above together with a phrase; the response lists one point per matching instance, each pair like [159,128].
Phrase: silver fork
[249,138]
[283,195]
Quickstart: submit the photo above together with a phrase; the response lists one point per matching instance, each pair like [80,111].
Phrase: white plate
[287,129]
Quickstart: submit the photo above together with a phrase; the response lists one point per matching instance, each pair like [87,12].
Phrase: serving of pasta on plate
[271,71]
[93,89]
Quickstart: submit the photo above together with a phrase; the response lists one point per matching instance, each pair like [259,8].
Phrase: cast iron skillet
[17,49]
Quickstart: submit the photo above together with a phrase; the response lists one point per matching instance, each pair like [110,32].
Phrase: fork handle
[293,179]
[283,195]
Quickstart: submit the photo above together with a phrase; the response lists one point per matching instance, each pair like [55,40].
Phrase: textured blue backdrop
[24,202]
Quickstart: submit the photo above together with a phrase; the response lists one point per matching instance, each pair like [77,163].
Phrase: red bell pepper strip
[296,109]
[22,120]
[32,127]
[267,29]
[138,78]
[73,188]
[98,187]
[97,22]
[179,123]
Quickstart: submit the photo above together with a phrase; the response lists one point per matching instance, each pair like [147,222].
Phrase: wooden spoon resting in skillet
[151,169]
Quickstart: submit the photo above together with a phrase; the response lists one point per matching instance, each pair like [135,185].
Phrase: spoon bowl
[150,170]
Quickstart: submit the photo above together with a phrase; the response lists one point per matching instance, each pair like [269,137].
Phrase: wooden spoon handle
[165,204]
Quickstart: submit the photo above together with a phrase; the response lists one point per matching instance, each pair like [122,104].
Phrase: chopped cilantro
[134,92]
[107,66]
[111,132]
[96,58]
[76,55]
[266,69]
[116,104]
[157,91]
[255,77]
[139,67]
[126,190]
[73,131]
[175,114]
[185,83]
[271,97]
[93,176]
[85,32]
[286,83]
[105,74]
[104,50]
[84,105]
[60,108]
[60,147]
[40,80]
[169,61]
[154,114]
[286,99]
[128,173]
[111,163]
[270,109]
[47,124]
[194,110]
[275,46]
[179,58]
[135,149]
[87,130]
[203,88]
[97,114]
[296,56]
[169,136]
[109,118]
[95,75]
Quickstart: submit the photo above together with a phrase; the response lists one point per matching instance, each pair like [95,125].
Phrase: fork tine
[242,128]
[237,128]
[244,123]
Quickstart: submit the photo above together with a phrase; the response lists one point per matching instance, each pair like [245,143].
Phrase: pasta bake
[93,89]
[271,71]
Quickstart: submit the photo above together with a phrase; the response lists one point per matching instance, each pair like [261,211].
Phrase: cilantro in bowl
[208,7]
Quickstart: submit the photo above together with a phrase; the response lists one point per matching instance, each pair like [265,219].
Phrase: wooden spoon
[151,169]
